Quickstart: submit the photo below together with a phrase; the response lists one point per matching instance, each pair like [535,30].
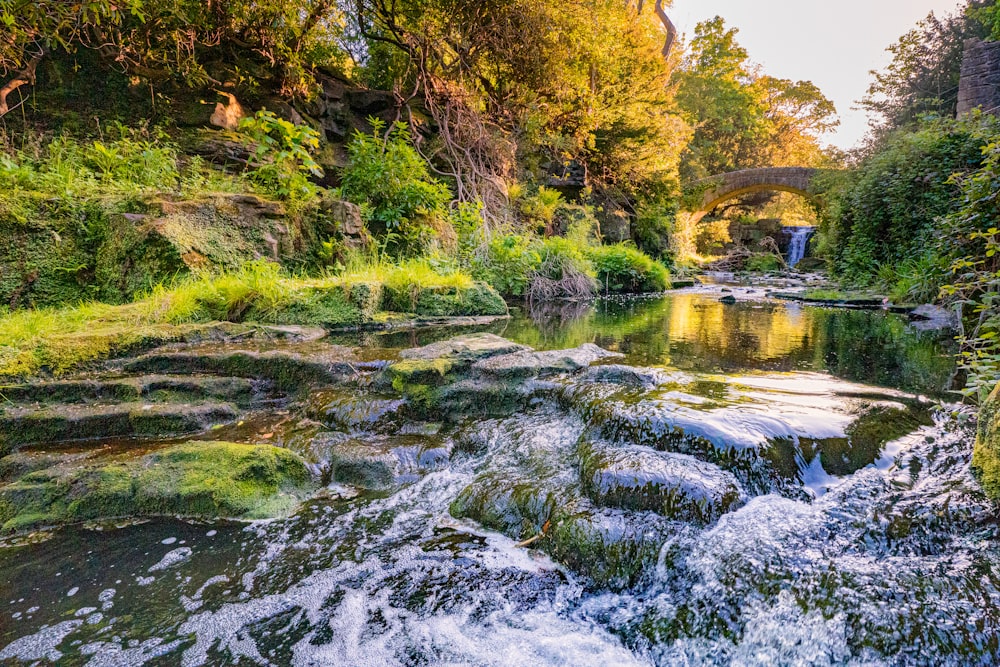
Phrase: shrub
[564,272]
[653,229]
[508,264]
[282,155]
[623,269]
[972,238]
[386,175]
[888,212]
[763,262]
[540,207]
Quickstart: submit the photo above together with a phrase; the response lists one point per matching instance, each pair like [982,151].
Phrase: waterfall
[798,243]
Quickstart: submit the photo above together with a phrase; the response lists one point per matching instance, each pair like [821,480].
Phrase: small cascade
[799,242]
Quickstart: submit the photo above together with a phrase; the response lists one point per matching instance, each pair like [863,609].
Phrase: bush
[764,262]
[653,229]
[509,263]
[403,203]
[623,269]
[565,272]
[888,212]
[972,239]
[282,158]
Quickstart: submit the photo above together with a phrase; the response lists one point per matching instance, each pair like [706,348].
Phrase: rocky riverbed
[588,498]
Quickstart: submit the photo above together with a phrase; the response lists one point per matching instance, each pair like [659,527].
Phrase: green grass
[838,295]
[57,340]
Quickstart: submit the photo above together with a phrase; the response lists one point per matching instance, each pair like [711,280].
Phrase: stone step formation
[571,452]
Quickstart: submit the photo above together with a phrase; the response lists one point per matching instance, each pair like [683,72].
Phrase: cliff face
[98,253]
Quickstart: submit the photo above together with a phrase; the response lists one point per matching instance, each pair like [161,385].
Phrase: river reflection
[694,331]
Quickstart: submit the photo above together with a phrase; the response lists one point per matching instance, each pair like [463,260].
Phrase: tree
[590,85]
[743,118]
[171,40]
[32,29]
[923,77]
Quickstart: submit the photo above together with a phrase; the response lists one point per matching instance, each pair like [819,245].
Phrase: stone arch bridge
[707,194]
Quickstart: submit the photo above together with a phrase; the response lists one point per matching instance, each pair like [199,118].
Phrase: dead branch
[669,26]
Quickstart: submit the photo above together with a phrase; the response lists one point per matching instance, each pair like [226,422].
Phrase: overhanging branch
[25,77]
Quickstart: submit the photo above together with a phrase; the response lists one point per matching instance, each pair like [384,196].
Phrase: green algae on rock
[193,480]
[677,486]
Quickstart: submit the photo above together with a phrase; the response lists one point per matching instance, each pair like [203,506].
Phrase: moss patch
[986,453]
[197,480]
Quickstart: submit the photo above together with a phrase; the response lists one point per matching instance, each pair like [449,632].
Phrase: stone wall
[980,83]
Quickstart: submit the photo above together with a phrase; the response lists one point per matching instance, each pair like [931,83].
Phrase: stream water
[884,554]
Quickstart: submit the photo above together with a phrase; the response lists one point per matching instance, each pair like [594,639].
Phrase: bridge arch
[720,189]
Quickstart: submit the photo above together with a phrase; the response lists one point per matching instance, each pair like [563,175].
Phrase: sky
[833,44]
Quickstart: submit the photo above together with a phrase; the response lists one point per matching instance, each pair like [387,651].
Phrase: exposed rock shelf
[592,461]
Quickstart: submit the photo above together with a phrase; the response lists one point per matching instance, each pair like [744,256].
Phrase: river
[865,551]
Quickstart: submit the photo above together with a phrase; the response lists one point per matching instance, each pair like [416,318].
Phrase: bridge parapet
[720,189]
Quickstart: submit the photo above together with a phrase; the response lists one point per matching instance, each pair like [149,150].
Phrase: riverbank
[55,341]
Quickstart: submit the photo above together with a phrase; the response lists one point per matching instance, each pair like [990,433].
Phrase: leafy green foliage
[973,241]
[888,213]
[282,154]
[163,40]
[988,16]
[385,174]
[508,264]
[623,269]
[764,262]
[742,118]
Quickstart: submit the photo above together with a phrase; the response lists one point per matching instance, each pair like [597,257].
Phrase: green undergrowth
[57,340]
[197,479]
[517,265]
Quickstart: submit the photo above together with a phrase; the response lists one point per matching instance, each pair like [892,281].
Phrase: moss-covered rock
[986,453]
[609,548]
[381,462]
[477,300]
[466,349]
[198,479]
[867,436]
[526,364]
[675,485]
[161,388]
[350,410]
[63,423]
[74,251]
[287,370]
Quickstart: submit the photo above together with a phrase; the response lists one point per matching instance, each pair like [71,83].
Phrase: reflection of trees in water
[557,315]
[875,348]
[698,333]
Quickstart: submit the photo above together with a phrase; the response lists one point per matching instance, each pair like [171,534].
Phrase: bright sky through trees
[833,44]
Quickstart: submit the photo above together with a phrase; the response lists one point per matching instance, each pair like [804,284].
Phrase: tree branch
[669,25]
[23,78]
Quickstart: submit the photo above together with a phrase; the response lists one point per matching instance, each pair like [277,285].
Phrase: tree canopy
[742,117]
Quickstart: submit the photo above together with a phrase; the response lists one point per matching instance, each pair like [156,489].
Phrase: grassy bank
[57,340]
